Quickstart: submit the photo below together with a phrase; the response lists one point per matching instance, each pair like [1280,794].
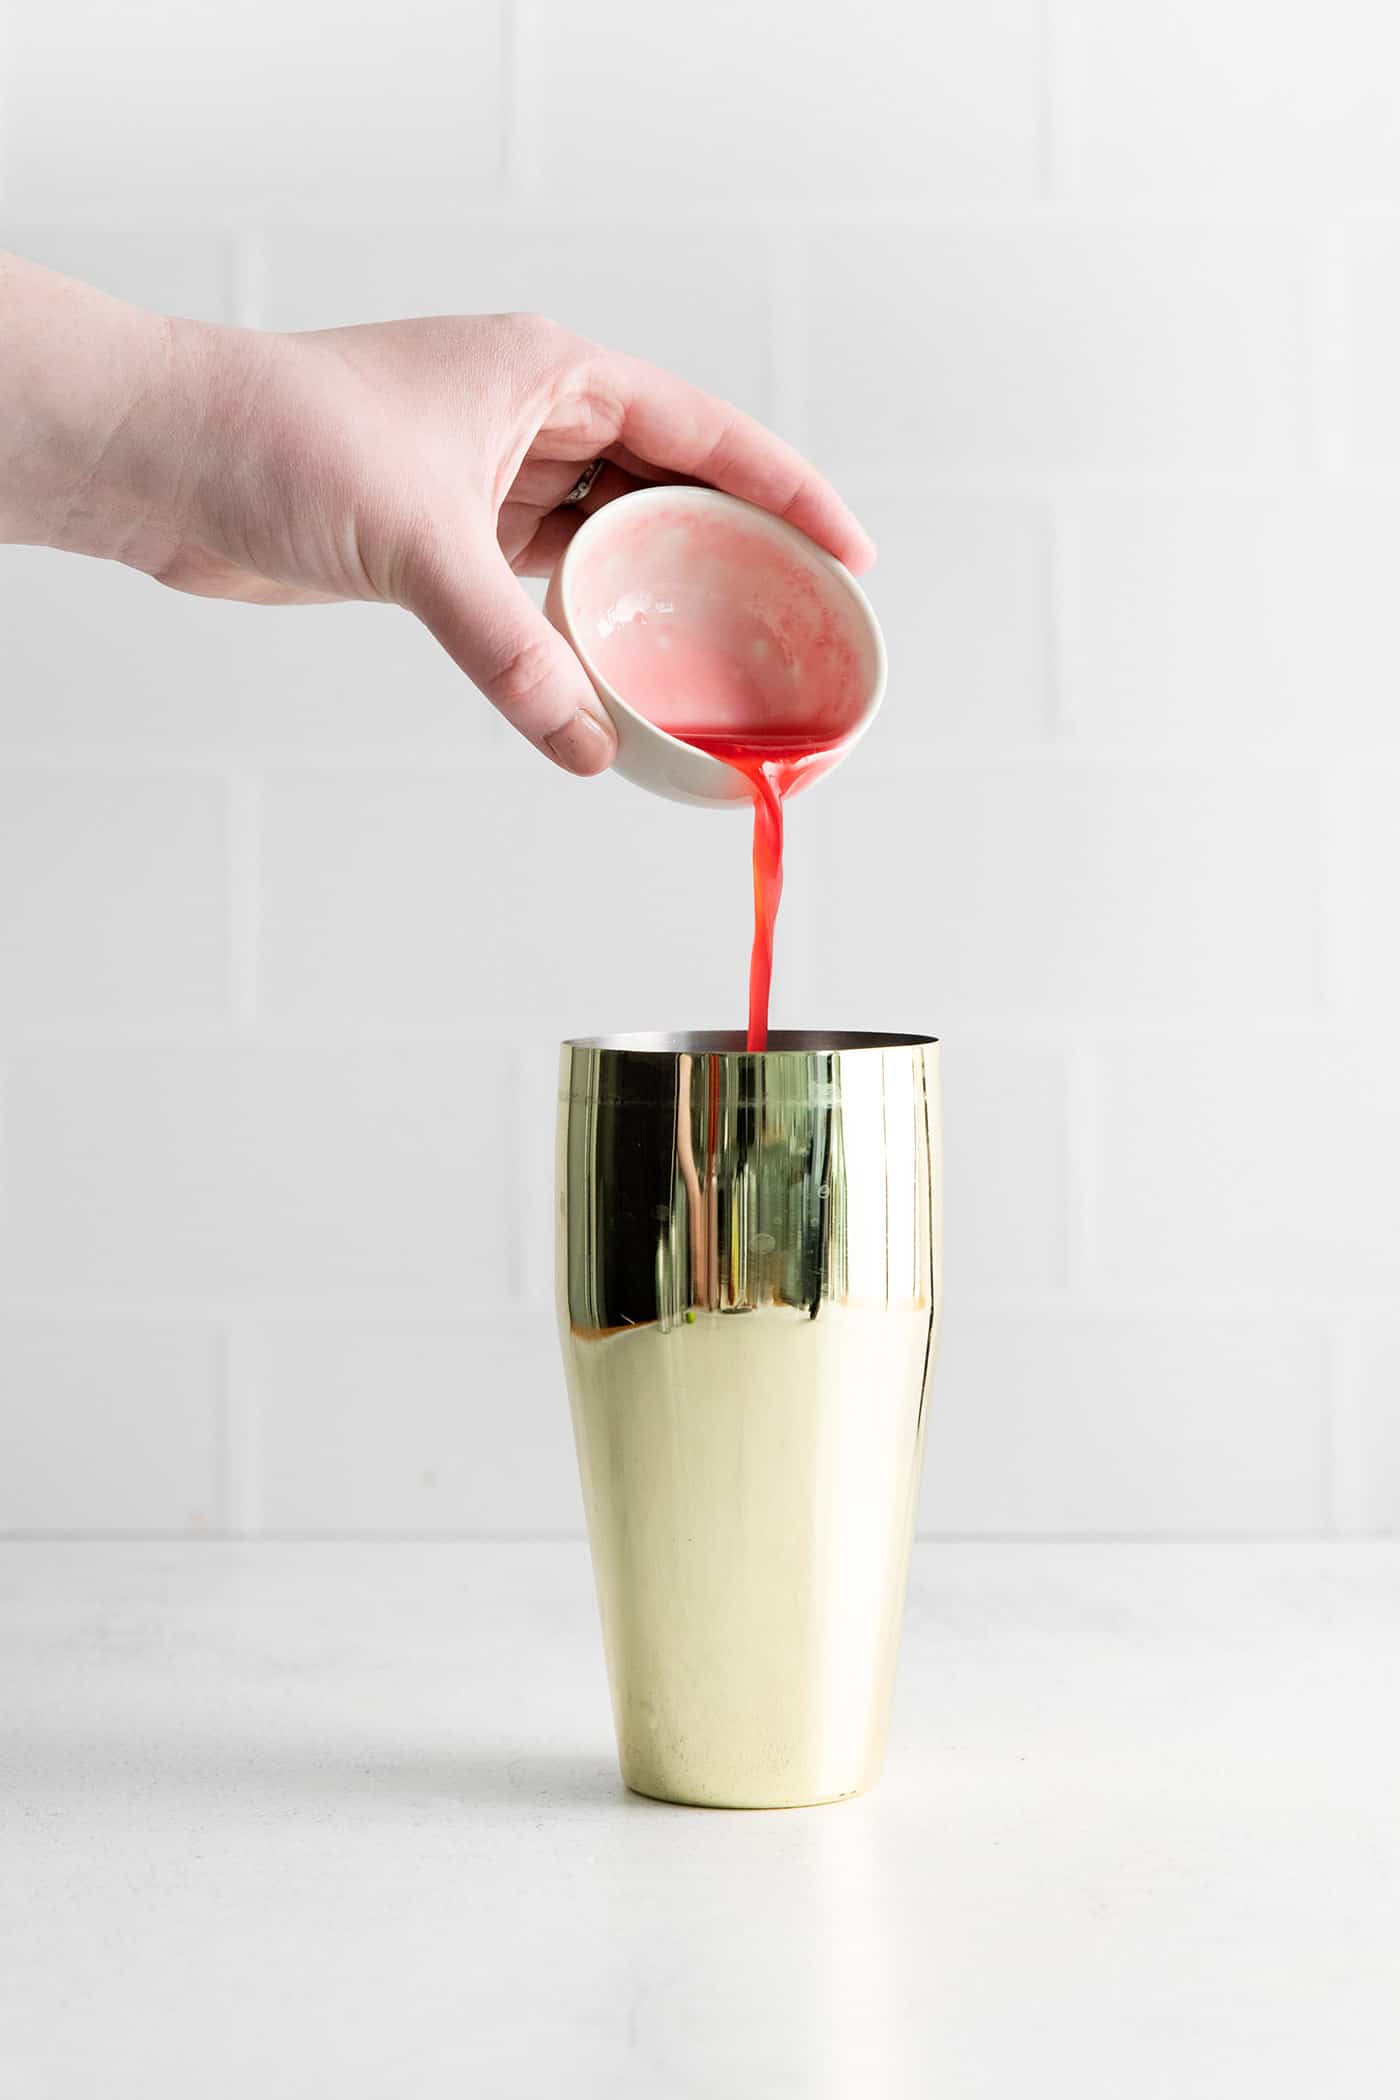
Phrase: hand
[421,462]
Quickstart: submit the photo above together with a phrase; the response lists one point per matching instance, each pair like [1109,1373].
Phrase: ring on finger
[583,484]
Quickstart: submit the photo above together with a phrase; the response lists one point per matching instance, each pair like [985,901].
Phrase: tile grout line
[243,843]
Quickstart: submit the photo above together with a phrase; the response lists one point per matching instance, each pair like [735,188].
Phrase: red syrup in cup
[737,650]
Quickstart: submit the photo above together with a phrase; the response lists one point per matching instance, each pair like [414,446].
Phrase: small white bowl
[610,570]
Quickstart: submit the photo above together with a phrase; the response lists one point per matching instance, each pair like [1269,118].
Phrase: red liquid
[773,766]
[726,642]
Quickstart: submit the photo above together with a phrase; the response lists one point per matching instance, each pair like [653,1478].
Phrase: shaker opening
[709,1042]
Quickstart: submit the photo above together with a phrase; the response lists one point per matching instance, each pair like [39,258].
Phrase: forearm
[100,406]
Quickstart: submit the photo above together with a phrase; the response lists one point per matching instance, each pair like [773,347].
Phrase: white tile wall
[215,1171]
[1374,808]
[1233,613]
[968,595]
[1057,341]
[97,658]
[786,102]
[1094,309]
[645,289]
[396,1428]
[1368,414]
[1128,1424]
[1226,98]
[1084,886]
[1377,1399]
[1007,1178]
[186,110]
[109,1427]
[113,896]
[148,264]
[389,898]
[1250,1161]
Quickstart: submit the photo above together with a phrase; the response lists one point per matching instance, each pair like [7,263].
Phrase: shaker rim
[731,1042]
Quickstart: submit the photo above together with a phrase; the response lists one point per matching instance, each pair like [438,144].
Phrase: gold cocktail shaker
[749,1277]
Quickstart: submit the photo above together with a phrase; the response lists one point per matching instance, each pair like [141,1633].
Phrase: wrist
[99,405]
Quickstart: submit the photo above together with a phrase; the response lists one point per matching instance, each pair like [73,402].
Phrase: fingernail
[582,745]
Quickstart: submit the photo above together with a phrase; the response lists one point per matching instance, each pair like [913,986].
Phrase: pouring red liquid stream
[773,766]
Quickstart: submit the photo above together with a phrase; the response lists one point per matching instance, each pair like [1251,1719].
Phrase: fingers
[667,421]
[483,619]
[533,541]
[542,484]
[641,469]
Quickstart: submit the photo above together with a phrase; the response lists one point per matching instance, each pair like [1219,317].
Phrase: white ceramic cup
[611,569]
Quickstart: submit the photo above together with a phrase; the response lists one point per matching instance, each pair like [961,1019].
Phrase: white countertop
[342,1821]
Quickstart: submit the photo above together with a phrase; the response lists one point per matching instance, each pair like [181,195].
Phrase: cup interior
[720,624]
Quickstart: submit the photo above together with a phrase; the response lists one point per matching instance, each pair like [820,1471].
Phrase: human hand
[423,463]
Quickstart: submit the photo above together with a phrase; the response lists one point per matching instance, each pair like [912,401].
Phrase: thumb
[492,631]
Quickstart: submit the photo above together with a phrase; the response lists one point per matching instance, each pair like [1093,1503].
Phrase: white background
[1094,311]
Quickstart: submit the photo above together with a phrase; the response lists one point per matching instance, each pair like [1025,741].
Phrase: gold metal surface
[749,1274]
